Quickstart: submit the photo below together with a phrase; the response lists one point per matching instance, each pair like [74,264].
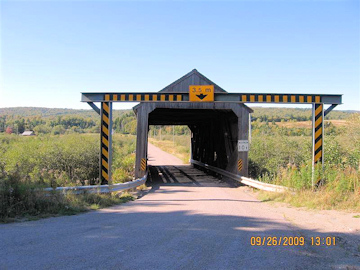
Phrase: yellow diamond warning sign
[201,93]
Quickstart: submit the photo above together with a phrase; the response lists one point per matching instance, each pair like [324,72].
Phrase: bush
[54,161]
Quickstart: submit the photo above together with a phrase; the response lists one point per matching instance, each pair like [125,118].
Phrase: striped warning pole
[318,136]
[106,142]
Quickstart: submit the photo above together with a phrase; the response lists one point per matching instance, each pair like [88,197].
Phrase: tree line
[67,121]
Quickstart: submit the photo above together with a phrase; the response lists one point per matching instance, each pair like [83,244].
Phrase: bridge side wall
[142,114]
[243,134]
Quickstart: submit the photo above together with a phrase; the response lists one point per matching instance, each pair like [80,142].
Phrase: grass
[142,187]
[29,164]
[37,205]
[321,199]
[340,189]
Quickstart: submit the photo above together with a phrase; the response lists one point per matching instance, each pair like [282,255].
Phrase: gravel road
[186,220]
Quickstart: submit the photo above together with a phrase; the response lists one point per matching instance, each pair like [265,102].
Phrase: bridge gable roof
[194,77]
[181,85]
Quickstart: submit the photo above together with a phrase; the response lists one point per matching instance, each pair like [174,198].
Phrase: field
[65,152]
[308,124]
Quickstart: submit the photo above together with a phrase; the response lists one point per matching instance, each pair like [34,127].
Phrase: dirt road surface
[186,220]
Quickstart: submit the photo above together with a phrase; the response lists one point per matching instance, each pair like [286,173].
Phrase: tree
[42,129]
[56,130]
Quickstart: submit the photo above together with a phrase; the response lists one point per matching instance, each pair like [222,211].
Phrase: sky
[51,51]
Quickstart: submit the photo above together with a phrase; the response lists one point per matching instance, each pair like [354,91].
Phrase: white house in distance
[28,133]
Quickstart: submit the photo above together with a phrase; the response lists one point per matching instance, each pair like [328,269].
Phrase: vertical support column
[243,135]
[318,136]
[106,143]
[141,141]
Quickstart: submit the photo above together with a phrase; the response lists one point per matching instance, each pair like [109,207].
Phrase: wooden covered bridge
[215,127]
[218,120]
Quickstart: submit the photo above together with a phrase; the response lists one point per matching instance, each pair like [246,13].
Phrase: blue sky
[53,50]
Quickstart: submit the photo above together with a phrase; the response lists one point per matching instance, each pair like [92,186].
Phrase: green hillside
[61,121]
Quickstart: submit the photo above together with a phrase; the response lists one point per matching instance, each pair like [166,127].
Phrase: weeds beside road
[28,164]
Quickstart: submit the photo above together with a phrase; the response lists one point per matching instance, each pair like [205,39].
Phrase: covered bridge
[216,127]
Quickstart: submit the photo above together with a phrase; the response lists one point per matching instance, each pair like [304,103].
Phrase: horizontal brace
[218,97]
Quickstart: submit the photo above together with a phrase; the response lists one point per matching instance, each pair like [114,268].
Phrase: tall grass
[51,161]
[21,199]
[28,164]
[123,158]
[339,187]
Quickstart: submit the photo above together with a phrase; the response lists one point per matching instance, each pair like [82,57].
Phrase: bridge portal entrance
[215,128]
[218,120]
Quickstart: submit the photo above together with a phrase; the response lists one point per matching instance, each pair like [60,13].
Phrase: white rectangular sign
[243,145]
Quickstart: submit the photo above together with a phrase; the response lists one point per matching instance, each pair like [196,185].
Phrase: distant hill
[298,114]
[60,121]
[264,113]
[50,112]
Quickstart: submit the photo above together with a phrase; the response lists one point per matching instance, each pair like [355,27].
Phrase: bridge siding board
[243,134]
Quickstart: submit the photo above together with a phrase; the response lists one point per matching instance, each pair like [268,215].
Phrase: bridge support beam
[243,134]
[142,130]
[106,143]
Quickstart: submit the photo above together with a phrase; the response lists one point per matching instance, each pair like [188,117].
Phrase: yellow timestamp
[292,241]
[277,240]
[323,241]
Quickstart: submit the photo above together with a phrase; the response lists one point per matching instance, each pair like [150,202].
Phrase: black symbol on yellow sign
[201,96]
[201,93]
[240,165]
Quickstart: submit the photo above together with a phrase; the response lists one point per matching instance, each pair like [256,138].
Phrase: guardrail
[101,188]
[244,180]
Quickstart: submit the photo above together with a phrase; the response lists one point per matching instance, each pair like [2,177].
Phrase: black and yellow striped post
[106,143]
[318,135]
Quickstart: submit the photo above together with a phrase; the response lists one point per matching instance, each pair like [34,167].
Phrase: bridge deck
[181,175]
[167,170]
